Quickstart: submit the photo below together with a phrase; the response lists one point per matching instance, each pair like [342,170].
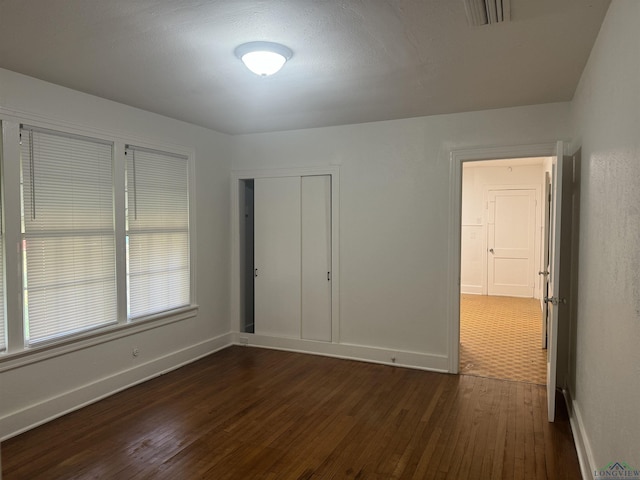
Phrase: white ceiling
[354,60]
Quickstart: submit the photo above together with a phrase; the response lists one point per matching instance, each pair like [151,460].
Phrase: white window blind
[69,276]
[158,273]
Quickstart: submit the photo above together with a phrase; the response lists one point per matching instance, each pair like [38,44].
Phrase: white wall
[394,211]
[605,114]
[476,178]
[32,393]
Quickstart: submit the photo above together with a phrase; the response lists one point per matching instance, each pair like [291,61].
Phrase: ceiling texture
[354,61]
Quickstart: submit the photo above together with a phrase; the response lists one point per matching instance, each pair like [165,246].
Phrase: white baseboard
[583,447]
[471,289]
[38,414]
[400,358]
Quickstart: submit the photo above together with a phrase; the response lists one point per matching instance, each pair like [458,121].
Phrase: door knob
[491,250]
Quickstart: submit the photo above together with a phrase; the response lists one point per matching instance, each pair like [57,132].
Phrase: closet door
[277,256]
[316,258]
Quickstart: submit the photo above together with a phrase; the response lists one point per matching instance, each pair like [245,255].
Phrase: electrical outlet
[135,352]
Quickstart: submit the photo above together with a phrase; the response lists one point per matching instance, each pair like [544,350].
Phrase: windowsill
[39,353]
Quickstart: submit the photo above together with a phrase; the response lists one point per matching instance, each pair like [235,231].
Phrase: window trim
[45,351]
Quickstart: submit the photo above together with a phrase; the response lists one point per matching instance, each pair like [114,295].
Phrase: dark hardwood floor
[249,413]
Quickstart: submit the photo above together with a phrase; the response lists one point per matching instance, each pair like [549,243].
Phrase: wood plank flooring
[249,413]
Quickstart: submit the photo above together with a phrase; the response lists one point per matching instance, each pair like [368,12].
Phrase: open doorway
[502,265]
[246,224]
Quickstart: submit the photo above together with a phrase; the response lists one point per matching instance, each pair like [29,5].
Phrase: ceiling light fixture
[263,58]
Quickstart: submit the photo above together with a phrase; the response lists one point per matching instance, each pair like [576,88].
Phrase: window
[103,234]
[69,264]
[158,273]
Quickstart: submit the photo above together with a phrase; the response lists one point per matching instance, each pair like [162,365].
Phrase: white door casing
[237,215]
[457,158]
[511,220]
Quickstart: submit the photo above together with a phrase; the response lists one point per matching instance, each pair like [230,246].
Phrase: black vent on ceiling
[487,12]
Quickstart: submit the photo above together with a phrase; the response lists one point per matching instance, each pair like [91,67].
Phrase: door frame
[456,159]
[236,177]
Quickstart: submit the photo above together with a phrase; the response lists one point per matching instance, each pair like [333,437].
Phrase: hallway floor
[500,337]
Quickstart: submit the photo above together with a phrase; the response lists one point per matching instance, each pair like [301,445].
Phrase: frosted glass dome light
[263,58]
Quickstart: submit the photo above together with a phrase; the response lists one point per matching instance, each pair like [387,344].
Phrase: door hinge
[555,300]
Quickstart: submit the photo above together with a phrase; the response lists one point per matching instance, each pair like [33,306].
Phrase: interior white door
[544,272]
[277,256]
[511,240]
[553,300]
[316,258]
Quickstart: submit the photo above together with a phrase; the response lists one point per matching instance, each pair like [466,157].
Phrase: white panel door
[553,301]
[511,236]
[316,258]
[546,258]
[277,256]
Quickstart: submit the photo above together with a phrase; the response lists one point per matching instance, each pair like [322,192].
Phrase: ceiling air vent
[487,12]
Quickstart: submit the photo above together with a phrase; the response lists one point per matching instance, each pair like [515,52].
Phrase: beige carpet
[500,337]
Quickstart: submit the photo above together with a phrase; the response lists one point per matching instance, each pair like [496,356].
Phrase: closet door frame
[236,177]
